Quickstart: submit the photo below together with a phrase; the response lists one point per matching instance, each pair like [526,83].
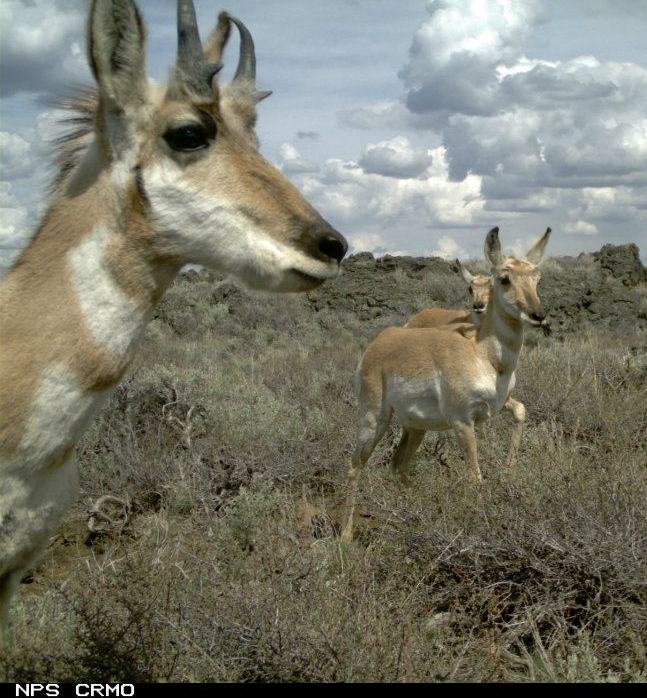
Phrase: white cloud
[385,114]
[13,226]
[540,134]
[448,248]
[580,228]
[293,163]
[348,193]
[395,158]
[39,45]
[455,54]
[374,209]
[367,242]
[15,156]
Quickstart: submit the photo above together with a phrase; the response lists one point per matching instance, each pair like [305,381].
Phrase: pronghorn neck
[93,248]
[74,305]
[500,336]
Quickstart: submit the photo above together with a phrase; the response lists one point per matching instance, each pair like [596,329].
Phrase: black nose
[538,317]
[479,306]
[333,245]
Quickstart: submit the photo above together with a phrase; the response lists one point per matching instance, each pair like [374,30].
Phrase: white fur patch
[210,229]
[419,403]
[503,330]
[33,494]
[114,320]
[60,414]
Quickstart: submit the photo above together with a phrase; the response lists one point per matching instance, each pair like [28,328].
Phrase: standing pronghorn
[468,323]
[435,379]
[465,321]
[151,180]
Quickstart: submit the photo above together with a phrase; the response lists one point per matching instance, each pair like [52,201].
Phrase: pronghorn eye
[187,138]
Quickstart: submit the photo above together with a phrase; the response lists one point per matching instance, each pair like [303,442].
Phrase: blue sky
[413,126]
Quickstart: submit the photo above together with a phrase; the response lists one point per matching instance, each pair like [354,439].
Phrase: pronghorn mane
[78,127]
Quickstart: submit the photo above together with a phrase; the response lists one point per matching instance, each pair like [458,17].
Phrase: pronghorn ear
[215,44]
[493,248]
[536,252]
[116,39]
[465,273]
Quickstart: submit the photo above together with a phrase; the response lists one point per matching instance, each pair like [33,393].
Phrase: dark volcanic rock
[597,290]
[622,262]
[389,289]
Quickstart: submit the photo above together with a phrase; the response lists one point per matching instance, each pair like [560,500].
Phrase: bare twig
[99,520]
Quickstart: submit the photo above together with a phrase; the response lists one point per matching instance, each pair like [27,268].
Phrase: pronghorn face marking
[516,286]
[515,280]
[188,155]
[479,287]
[222,205]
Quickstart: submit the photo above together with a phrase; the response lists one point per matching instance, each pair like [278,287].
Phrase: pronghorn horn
[246,70]
[192,68]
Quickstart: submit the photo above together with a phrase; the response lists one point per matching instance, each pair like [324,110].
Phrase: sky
[413,126]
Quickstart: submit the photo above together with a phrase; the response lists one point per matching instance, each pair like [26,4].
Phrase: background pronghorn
[467,323]
[479,286]
[150,180]
[434,379]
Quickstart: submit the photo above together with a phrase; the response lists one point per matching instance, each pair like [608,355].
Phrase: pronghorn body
[433,379]
[467,323]
[152,180]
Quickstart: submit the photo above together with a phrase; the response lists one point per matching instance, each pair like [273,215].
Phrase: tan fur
[215,44]
[434,379]
[465,322]
[127,209]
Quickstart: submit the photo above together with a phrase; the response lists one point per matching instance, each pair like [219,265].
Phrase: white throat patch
[115,321]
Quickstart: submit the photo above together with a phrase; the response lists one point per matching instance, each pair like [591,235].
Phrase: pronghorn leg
[519,413]
[405,451]
[467,439]
[373,424]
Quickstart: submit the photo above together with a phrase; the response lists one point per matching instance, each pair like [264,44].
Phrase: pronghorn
[465,321]
[433,379]
[151,180]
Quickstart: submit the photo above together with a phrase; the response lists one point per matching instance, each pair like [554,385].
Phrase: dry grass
[230,441]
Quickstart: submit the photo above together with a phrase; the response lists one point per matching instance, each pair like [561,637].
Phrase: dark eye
[471,291]
[505,280]
[187,138]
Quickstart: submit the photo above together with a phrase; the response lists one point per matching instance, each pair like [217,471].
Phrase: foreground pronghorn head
[515,280]
[479,287]
[188,155]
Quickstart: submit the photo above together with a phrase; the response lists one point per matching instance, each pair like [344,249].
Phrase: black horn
[192,68]
[246,70]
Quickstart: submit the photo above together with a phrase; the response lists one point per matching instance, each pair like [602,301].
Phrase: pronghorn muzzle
[321,241]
